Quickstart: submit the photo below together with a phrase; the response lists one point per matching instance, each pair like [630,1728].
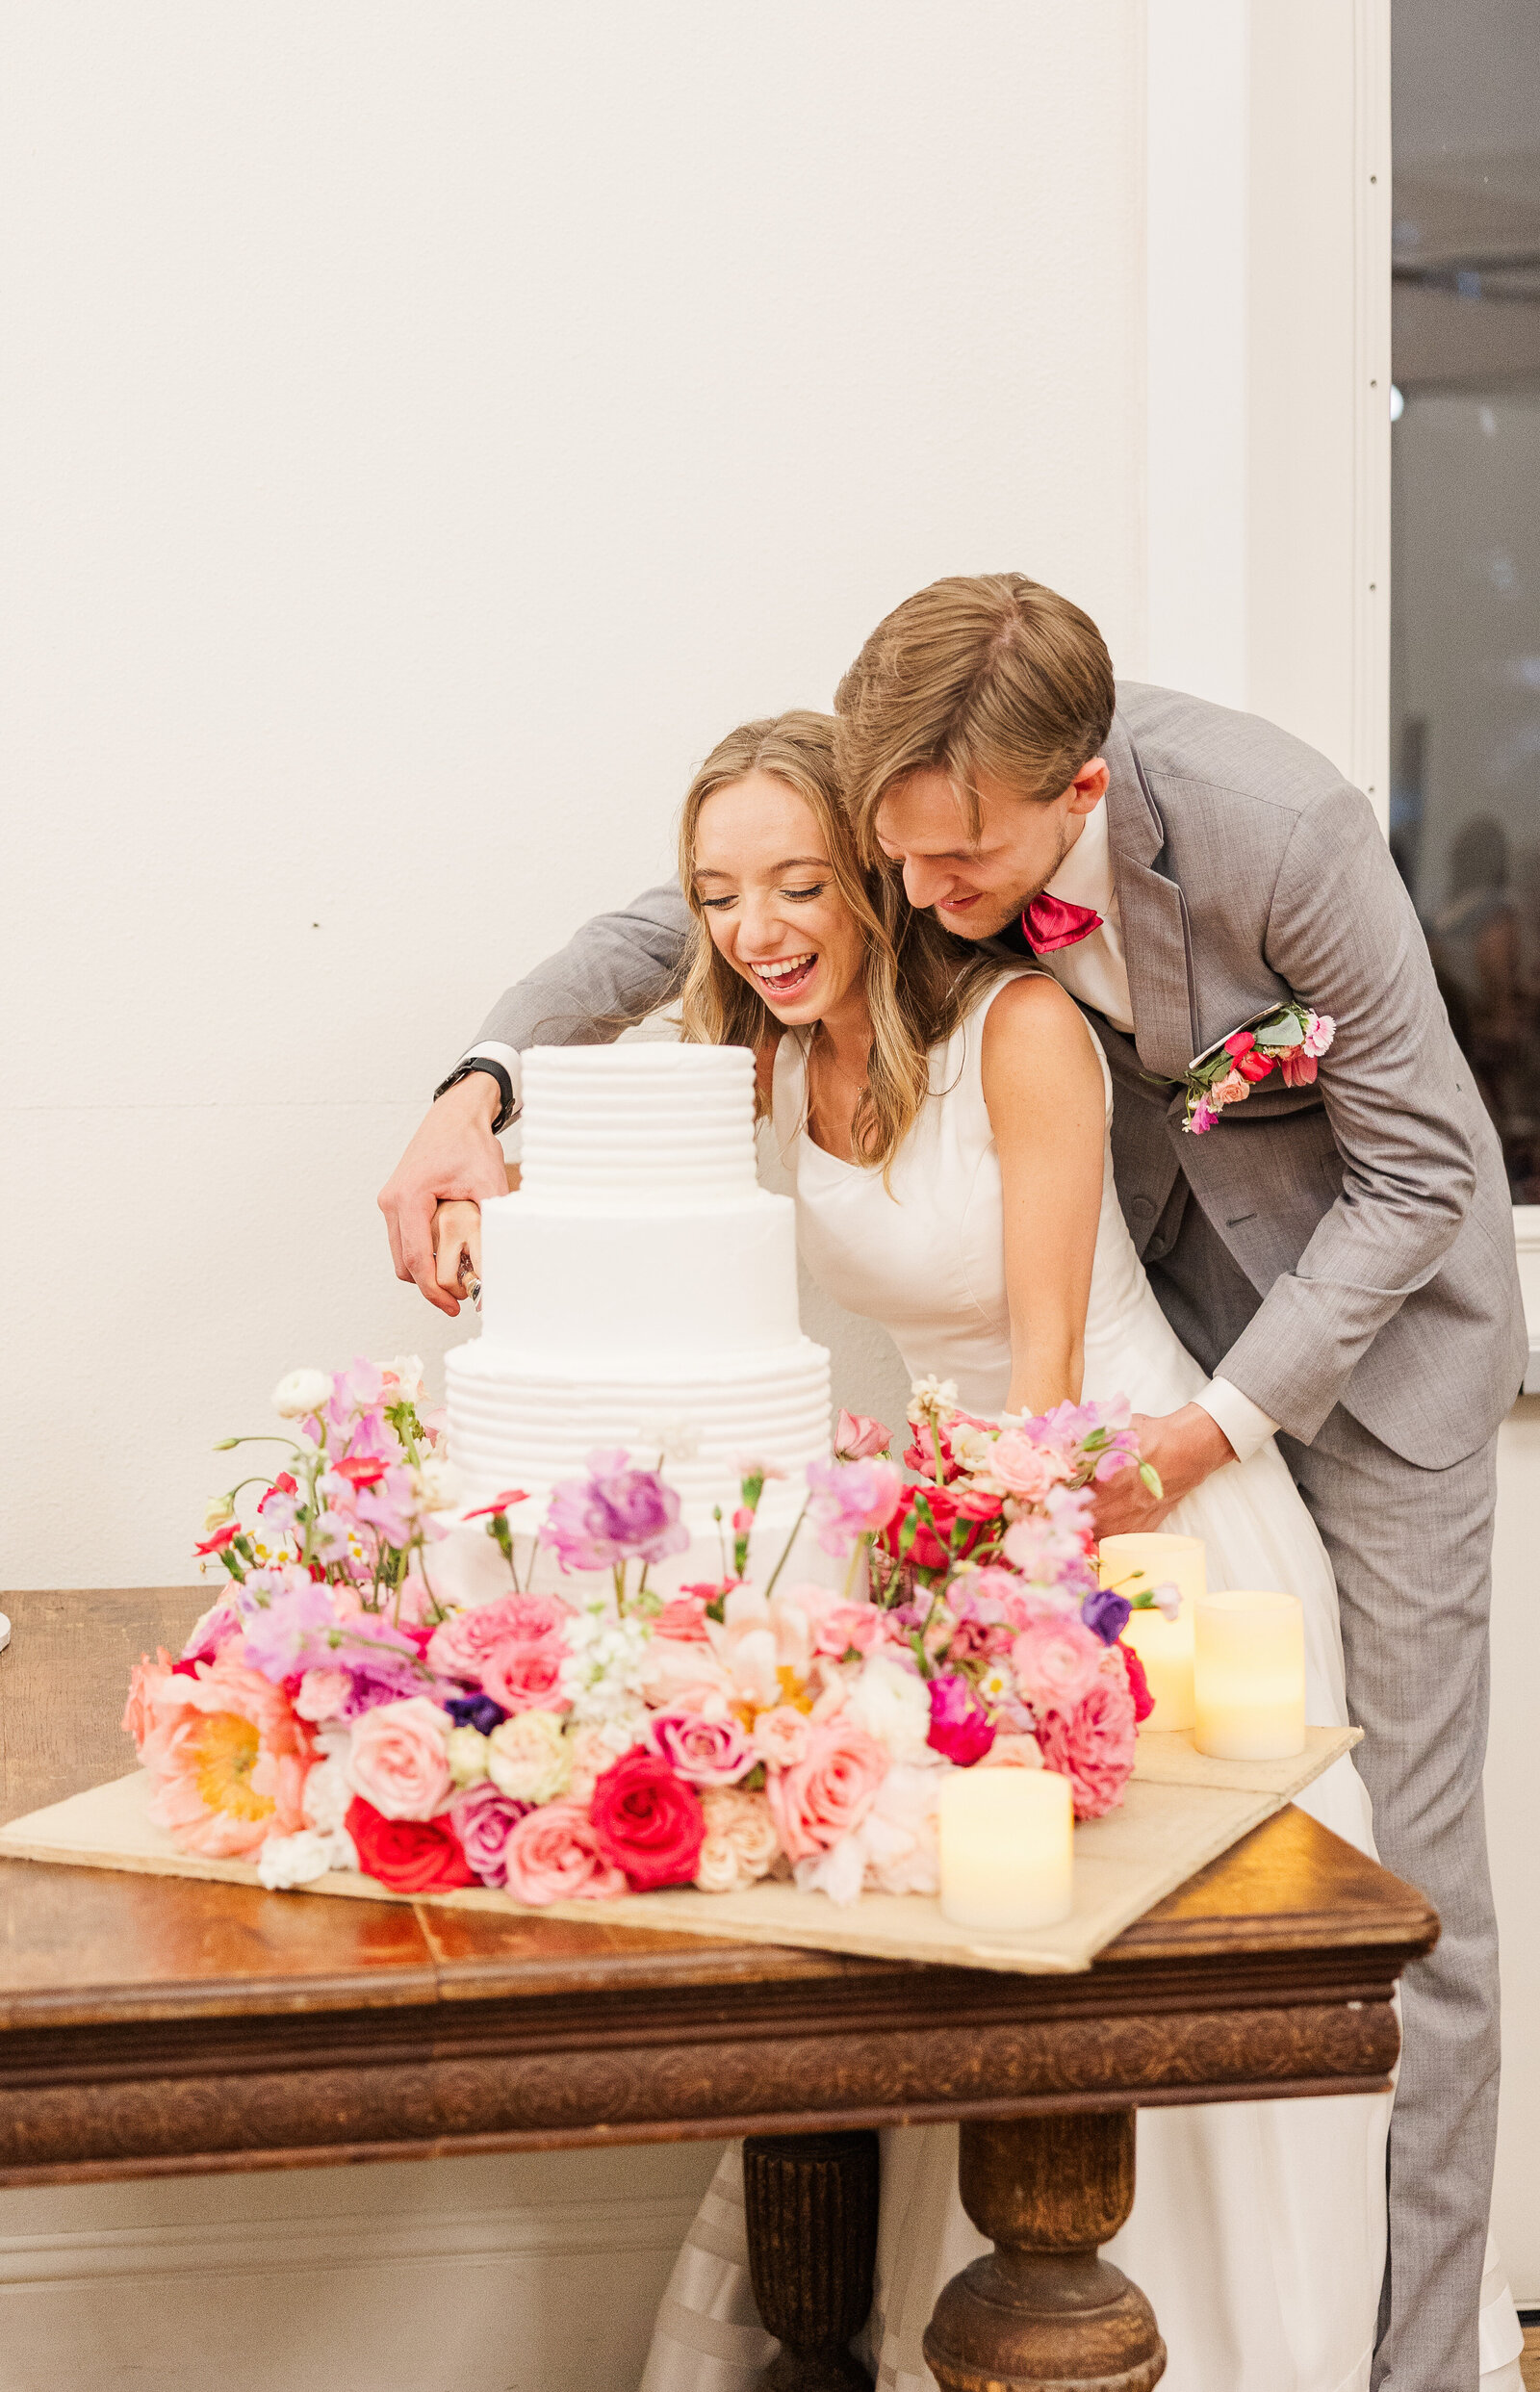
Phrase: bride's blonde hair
[917,980]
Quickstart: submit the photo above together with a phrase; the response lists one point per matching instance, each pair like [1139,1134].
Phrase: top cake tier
[646,1125]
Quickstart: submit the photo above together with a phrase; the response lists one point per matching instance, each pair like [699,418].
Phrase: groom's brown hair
[983,673]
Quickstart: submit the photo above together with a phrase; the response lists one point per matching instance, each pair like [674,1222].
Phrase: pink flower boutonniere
[1288,1040]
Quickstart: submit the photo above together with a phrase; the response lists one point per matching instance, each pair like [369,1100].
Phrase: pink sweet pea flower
[858,1438]
[1202,1117]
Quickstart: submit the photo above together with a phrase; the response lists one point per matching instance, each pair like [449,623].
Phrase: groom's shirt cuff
[1245,1423]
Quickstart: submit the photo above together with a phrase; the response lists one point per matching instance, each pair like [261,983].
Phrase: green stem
[785,1553]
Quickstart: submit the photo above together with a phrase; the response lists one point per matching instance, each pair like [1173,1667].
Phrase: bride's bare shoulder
[1033,1034]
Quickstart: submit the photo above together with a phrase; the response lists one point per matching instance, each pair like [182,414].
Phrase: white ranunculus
[286,1861]
[408,1370]
[440,1486]
[893,1704]
[303,1392]
[327,1792]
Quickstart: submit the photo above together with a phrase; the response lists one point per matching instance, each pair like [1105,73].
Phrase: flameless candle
[1135,1565]
[1006,1838]
[1249,1675]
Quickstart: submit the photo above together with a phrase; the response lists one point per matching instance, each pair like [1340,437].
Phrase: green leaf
[1151,1478]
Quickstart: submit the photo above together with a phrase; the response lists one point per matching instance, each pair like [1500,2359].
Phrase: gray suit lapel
[1157,939]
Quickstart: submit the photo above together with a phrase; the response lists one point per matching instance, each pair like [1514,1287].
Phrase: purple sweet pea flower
[376,1678]
[614,1515]
[483,1817]
[851,1499]
[290,1632]
[960,1730]
[1105,1614]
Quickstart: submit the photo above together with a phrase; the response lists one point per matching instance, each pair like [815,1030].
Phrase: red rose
[410,1856]
[931,1550]
[648,1822]
[1138,1683]
[1254,1064]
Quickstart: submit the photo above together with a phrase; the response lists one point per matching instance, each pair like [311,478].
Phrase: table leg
[810,2203]
[1041,2311]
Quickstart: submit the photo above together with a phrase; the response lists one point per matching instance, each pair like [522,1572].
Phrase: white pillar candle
[1006,1848]
[1133,1566]
[1249,1675]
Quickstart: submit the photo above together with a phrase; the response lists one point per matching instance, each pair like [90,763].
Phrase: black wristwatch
[507,1110]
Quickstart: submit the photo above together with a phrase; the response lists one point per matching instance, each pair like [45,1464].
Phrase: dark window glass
[1465,655]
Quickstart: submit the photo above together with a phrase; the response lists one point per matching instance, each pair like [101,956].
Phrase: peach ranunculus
[740,1839]
[779,1736]
[552,1854]
[225,1753]
[766,1647]
[1056,1660]
[675,1669]
[829,1790]
[399,1758]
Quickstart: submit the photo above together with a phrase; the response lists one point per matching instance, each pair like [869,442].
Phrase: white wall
[429,429]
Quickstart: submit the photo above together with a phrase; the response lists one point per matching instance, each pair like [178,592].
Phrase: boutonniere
[1286,1039]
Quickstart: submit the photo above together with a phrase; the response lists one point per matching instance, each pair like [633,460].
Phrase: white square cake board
[1180,1812]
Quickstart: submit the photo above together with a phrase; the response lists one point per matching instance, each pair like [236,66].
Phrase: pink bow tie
[1049,923]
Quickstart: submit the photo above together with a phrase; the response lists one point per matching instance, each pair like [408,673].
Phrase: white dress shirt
[1092,970]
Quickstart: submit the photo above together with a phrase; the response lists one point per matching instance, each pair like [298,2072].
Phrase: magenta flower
[614,1515]
[851,1499]
[962,1730]
[1203,1115]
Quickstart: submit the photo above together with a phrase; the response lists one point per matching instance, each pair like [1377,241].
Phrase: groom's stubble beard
[1004,911]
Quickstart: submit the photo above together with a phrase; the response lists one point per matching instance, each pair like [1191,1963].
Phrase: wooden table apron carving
[157,2025]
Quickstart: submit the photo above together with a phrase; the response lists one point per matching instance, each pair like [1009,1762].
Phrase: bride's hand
[1182,1448]
[457,1246]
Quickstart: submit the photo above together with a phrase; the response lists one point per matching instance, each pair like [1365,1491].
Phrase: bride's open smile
[772,905]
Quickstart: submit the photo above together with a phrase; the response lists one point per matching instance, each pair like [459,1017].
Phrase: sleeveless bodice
[925,1255]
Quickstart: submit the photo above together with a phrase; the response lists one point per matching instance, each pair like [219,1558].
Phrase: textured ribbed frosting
[640,1288]
[650,1123]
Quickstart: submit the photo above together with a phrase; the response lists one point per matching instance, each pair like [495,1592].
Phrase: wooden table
[167,2027]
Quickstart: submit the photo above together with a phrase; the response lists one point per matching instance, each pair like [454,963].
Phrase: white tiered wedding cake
[640,1290]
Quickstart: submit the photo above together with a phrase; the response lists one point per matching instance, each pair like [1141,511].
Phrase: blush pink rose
[708,1752]
[850,1624]
[1229,1090]
[1056,1660]
[1093,1745]
[829,1791]
[323,1693]
[552,1854]
[780,1735]
[523,1676]
[398,1760]
[740,1843]
[1029,1470]
[461,1645]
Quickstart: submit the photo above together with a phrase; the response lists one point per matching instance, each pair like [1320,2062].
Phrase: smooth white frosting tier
[576,1290]
[514,1425]
[637,1126]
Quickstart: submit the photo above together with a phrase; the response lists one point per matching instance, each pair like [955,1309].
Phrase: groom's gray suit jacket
[1370,1213]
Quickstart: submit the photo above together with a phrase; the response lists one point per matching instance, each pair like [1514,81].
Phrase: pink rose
[552,1854]
[1093,1745]
[398,1758]
[847,1625]
[740,1841]
[708,1752]
[460,1645]
[525,1676]
[780,1735]
[1028,1469]
[858,1437]
[1230,1090]
[821,1797]
[1056,1660]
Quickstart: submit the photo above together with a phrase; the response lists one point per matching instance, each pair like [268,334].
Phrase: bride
[944,1115]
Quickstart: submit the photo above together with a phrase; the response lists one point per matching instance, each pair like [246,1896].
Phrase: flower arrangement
[1288,1040]
[332,1710]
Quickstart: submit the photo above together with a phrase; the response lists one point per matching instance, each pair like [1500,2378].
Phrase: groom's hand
[1182,1448]
[454,1153]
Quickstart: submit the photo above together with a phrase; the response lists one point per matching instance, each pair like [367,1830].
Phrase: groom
[1339,1256]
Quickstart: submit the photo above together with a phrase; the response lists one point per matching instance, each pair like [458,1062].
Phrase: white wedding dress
[1258,2229]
